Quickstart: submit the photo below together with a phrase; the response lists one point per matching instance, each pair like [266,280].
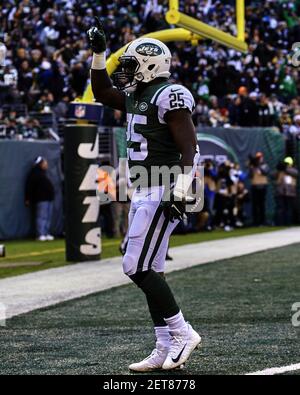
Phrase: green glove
[96,37]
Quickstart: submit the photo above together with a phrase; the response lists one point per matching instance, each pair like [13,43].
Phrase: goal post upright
[240,19]
[175,17]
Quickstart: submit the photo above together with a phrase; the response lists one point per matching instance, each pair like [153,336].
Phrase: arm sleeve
[174,97]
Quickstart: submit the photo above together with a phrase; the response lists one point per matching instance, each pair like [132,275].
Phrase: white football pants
[148,232]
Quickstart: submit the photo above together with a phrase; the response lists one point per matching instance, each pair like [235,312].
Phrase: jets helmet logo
[148,49]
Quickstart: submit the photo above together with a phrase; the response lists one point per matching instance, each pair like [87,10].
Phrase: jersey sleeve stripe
[155,97]
[174,97]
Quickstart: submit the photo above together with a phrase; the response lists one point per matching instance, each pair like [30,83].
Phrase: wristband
[99,61]
[182,185]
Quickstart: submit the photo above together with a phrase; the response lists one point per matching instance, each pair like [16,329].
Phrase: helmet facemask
[144,60]
[126,79]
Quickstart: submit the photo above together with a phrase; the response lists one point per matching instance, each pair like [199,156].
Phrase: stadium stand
[48,62]
[52,55]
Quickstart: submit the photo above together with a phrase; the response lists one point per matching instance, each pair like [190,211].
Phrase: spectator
[295,128]
[32,129]
[106,190]
[285,121]
[123,196]
[242,197]
[25,78]
[258,172]
[45,102]
[265,115]
[276,107]
[286,192]
[246,109]
[210,186]
[79,76]
[62,107]
[8,85]
[224,200]
[288,86]
[200,115]
[11,128]
[217,116]
[39,195]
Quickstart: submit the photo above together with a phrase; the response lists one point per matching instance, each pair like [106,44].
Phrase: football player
[160,132]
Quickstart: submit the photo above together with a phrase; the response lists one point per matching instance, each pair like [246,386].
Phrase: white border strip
[272,371]
[45,288]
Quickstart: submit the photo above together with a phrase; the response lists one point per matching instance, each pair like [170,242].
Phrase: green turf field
[49,255]
[241,307]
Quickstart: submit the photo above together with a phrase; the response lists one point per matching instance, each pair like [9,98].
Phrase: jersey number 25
[133,119]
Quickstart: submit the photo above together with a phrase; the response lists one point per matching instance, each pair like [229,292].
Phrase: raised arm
[102,87]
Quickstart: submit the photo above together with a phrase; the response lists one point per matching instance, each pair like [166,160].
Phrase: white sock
[163,337]
[176,323]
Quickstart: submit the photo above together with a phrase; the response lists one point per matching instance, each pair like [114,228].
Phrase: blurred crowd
[229,190]
[232,198]
[48,59]
[19,127]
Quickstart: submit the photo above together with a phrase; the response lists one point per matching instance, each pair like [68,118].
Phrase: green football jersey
[149,141]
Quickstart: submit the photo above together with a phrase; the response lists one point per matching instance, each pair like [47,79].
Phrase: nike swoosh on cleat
[175,360]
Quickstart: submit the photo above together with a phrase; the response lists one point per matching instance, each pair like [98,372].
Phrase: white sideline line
[272,371]
[28,292]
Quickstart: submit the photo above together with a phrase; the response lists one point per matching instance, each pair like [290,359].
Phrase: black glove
[173,209]
[96,37]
